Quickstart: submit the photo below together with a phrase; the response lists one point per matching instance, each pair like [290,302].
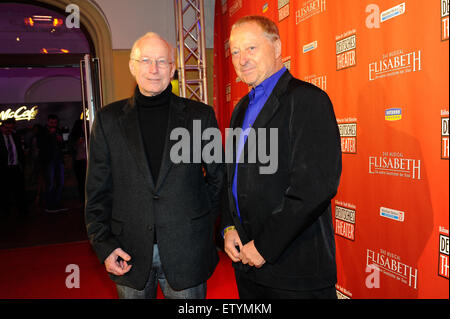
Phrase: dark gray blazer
[124,206]
[288,213]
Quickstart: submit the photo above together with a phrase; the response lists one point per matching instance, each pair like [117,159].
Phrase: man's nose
[243,58]
[152,68]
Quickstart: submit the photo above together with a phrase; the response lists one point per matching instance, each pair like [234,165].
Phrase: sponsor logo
[345,52]
[395,63]
[392,214]
[308,9]
[393,12]
[348,133]
[393,114]
[287,62]
[265,7]
[443,252]
[395,164]
[444,135]
[343,293]
[310,46]
[391,265]
[20,114]
[345,218]
[234,7]
[228,92]
[226,46]
[445,8]
[283,9]
[318,80]
[224,6]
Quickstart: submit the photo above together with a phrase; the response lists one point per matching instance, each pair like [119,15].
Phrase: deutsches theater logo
[395,63]
[348,131]
[345,218]
[391,265]
[395,164]
[283,9]
[346,50]
[444,134]
[443,252]
[445,8]
[308,9]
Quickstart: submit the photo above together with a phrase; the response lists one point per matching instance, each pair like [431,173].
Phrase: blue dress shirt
[257,98]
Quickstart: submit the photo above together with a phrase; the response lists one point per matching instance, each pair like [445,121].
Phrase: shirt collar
[268,84]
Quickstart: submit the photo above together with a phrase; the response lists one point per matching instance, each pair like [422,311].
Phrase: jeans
[157,275]
[54,180]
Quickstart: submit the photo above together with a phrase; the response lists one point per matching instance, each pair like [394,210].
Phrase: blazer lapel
[177,118]
[129,124]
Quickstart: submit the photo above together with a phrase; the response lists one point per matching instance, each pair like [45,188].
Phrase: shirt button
[155,196]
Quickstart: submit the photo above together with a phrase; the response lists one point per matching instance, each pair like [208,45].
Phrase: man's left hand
[250,255]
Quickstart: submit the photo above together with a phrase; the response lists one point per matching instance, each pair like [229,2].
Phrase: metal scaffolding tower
[191,49]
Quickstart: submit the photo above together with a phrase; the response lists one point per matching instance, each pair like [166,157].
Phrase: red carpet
[40,272]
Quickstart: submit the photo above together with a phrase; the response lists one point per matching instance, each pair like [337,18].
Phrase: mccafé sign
[20,114]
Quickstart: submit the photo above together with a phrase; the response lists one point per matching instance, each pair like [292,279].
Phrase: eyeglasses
[160,63]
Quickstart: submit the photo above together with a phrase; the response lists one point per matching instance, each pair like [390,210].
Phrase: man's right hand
[116,267]
[231,241]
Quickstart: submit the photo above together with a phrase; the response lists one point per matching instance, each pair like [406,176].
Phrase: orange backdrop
[385,66]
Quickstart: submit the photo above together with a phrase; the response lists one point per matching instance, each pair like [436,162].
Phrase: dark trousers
[12,189]
[54,183]
[80,172]
[249,289]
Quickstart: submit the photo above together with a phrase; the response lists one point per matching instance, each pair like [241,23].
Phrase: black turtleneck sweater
[153,114]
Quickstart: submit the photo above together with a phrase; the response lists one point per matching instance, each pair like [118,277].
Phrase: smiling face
[151,78]
[255,57]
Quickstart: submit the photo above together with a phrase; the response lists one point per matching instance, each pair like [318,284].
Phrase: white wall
[130,19]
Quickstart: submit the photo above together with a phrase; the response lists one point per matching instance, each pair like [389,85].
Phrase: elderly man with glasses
[149,219]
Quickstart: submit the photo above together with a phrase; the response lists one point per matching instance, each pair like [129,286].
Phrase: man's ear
[132,66]
[277,45]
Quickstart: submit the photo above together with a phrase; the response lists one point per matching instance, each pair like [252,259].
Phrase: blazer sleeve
[314,172]
[99,195]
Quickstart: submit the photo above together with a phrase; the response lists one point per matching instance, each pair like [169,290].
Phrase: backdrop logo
[342,293]
[394,164]
[265,8]
[443,252]
[445,8]
[226,46]
[444,135]
[310,46]
[234,7]
[391,265]
[348,132]
[287,62]
[308,9]
[395,63]
[283,9]
[318,80]
[345,218]
[228,92]
[393,114]
[224,6]
[346,51]
[392,12]
[392,214]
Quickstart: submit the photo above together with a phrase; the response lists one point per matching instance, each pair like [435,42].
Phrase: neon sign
[21,114]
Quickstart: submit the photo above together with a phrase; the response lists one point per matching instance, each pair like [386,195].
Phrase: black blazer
[124,205]
[288,213]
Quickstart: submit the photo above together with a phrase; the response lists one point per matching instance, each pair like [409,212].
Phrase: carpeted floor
[41,272]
